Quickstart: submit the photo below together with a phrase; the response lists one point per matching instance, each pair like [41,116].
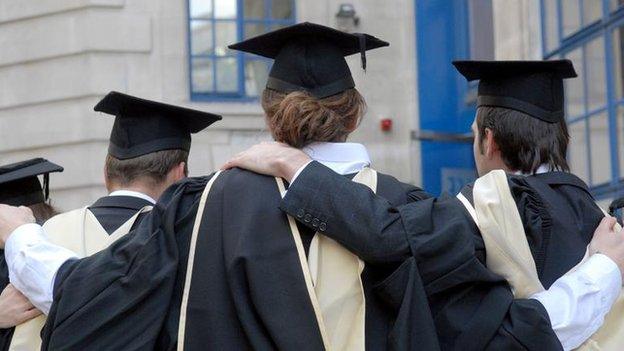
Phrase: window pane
[201,37]
[225,34]
[592,11]
[577,151]
[551,24]
[256,74]
[254,29]
[253,8]
[618,62]
[225,9]
[227,75]
[599,148]
[574,96]
[281,9]
[201,8]
[202,79]
[571,17]
[596,74]
[481,29]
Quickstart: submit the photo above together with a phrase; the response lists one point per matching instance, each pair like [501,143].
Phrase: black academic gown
[247,292]
[473,309]
[559,216]
[113,211]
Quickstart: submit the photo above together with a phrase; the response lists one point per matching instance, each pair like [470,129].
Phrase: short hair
[152,167]
[525,142]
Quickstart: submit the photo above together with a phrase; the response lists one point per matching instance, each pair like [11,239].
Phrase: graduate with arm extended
[519,128]
[217,264]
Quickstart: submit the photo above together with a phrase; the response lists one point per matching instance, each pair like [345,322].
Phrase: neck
[152,191]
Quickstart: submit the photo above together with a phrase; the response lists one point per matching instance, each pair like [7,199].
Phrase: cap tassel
[362,39]
[46,186]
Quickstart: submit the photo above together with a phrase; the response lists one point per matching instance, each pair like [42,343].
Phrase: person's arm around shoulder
[32,260]
[319,198]
[578,302]
[15,308]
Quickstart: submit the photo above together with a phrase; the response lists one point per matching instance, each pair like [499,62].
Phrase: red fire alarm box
[386,124]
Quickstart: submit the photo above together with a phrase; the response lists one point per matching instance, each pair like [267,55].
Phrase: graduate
[20,186]
[148,151]
[520,129]
[217,265]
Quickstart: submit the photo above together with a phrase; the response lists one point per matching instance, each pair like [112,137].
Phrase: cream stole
[509,255]
[332,277]
[79,231]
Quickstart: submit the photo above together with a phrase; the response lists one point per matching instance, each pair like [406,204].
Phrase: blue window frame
[216,72]
[591,34]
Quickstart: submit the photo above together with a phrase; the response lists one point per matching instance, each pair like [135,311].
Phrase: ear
[107,182]
[178,172]
[490,146]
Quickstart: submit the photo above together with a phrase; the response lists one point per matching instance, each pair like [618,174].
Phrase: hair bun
[299,118]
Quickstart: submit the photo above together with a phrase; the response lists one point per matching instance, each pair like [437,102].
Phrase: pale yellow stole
[332,276]
[79,231]
[335,277]
[509,255]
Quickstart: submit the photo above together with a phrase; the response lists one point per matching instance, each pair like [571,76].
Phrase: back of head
[43,211]
[525,142]
[20,186]
[298,118]
[310,94]
[150,169]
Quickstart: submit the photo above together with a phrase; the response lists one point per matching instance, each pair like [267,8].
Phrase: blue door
[446,100]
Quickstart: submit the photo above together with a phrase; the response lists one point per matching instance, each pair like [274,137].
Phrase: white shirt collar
[543,168]
[124,192]
[342,158]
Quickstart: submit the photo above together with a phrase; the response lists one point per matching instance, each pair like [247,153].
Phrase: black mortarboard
[532,87]
[143,126]
[19,185]
[310,57]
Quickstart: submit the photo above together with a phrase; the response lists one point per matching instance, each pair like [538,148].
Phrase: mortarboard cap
[532,87]
[310,57]
[19,185]
[143,126]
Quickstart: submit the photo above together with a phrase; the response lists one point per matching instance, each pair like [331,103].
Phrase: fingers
[28,315]
[607,223]
[232,163]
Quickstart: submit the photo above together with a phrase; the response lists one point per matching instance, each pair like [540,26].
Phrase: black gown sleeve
[367,224]
[118,298]
[473,309]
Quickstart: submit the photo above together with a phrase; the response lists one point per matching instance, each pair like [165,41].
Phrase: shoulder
[397,192]
[62,218]
[185,195]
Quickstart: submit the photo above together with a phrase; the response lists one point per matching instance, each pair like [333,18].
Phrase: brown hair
[299,118]
[43,211]
[152,167]
[525,142]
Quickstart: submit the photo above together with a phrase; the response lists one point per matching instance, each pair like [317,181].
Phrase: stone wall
[60,57]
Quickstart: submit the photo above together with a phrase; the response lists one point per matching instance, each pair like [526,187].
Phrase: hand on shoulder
[270,158]
[609,241]
[11,218]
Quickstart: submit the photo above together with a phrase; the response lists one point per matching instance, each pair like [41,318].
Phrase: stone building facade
[60,57]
